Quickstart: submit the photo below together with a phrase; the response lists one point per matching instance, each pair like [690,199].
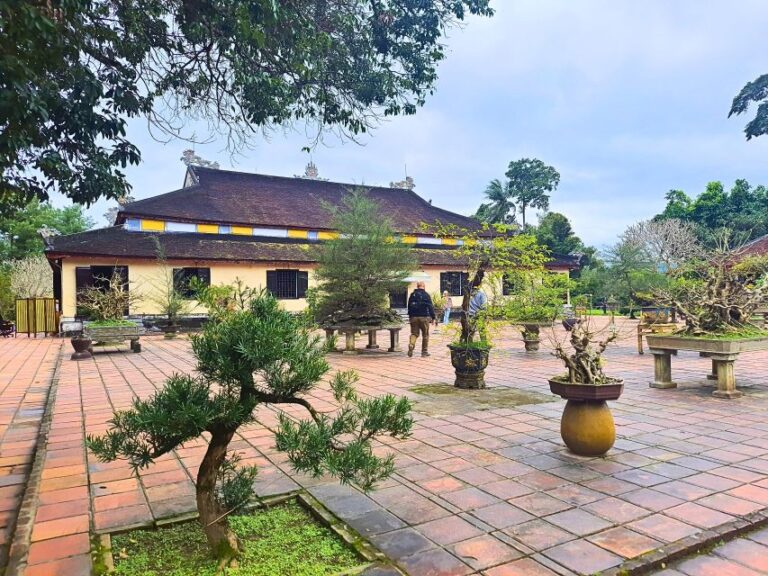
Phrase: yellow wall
[144,278]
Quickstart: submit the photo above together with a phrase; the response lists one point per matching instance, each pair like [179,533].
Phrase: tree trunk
[467,327]
[221,539]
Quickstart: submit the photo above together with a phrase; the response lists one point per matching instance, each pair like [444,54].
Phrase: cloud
[626,99]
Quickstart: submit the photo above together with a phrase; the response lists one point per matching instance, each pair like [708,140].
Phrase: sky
[626,99]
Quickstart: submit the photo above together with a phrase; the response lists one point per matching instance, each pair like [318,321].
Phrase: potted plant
[438,302]
[586,425]
[486,254]
[717,295]
[170,297]
[535,303]
[106,303]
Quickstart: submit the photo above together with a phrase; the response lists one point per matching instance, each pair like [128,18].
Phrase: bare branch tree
[668,243]
[32,277]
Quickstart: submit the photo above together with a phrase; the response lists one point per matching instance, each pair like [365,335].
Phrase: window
[511,284]
[287,284]
[454,282]
[182,277]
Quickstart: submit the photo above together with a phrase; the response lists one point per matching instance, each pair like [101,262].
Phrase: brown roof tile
[116,242]
[227,197]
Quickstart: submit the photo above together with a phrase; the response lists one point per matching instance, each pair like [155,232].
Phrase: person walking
[477,303]
[420,313]
[448,305]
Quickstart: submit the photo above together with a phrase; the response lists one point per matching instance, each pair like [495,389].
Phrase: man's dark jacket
[420,305]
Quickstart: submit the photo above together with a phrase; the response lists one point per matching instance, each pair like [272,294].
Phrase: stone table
[350,331]
[723,354]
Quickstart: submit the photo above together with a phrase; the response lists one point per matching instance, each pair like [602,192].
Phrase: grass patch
[112,323]
[735,335]
[278,541]
[439,399]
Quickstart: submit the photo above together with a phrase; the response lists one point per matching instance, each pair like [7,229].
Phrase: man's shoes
[410,352]
[425,354]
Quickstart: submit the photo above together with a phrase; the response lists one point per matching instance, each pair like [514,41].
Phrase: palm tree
[500,209]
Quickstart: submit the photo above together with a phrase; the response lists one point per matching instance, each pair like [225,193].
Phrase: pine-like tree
[260,355]
[359,269]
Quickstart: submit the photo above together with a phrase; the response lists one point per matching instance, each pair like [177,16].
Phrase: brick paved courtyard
[478,490]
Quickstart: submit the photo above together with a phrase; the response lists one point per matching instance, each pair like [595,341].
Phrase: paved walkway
[26,370]
[478,489]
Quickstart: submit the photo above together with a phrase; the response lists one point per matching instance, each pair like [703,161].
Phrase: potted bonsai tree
[171,299]
[535,302]
[106,303]
[586,425]
[486,254]
[357,269]
[717,295]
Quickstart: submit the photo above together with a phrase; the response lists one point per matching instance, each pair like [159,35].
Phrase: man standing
[477,304]
[420,313]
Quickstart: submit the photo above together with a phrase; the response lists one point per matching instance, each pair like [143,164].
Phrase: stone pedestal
[349,348]
[726,379]
[372,345]
[662,369]
[394,340]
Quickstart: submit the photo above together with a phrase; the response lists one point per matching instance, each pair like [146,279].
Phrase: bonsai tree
[488,254]
[586,426]
[165,293]
[107,303]
[248,358]
[584,360]
[360,266]
[719,292]
[534,299]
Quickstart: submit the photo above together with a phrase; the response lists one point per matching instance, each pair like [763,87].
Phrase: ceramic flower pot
[587,426]
[470,365]
[82,347]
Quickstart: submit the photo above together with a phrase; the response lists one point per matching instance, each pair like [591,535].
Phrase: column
[372,340]
[726,378]
[662,368]
[350,347]
[394,340]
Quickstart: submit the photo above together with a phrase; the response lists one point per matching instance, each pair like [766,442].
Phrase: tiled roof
[227,197]
[758,247]
[118,243]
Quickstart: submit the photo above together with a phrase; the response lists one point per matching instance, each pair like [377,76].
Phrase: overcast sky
[626,99]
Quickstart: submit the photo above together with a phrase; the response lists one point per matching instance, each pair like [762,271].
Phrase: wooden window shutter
[302,283]
[272,282]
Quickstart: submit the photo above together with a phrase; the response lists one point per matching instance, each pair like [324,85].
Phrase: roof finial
[310,172]
[191,159]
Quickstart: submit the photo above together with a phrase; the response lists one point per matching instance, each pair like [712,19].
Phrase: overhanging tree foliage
[358,269]
[247,358]
[74,72]
[755,92]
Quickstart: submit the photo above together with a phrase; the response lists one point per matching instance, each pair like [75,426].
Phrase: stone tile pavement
[26,370]
[489,491]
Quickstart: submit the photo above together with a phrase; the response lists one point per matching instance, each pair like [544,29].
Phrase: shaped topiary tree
[261,355]
[358,269]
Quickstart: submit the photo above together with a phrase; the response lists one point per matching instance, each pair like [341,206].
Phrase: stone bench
[351,331]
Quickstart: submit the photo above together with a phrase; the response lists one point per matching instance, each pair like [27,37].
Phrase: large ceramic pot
[531,337]
[587,426]
[170,329]
[569,323]
[470,365]
[82,347]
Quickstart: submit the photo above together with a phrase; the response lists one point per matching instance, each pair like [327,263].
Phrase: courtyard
[483,486]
